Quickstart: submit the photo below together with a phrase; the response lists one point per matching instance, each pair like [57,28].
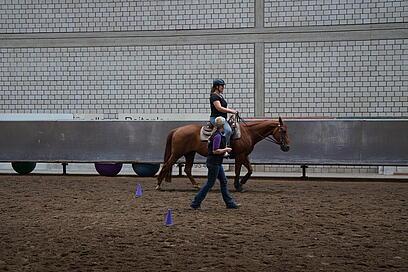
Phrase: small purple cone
[168,221]
[139,191]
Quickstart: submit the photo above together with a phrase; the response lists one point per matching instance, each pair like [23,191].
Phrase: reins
[268,138]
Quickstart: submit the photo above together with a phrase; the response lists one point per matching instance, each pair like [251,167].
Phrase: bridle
[281,136]
[269,138]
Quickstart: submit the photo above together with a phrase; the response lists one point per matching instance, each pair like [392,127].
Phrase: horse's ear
[280,121]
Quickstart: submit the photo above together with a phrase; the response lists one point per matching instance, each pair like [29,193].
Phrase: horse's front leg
[238,165]
[242,160]
[248,166]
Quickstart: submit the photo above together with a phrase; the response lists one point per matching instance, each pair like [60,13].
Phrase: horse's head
[280,135]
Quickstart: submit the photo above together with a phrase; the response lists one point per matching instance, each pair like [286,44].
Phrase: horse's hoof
[158,188]
[197,186]
[239,189]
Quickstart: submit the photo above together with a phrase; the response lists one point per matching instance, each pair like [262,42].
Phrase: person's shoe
[195,207]
[234,206]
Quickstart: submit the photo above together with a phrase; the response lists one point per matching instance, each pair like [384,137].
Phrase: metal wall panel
[348,142]
[337,142]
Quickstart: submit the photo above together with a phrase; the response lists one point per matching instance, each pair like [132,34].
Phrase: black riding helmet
[218,82]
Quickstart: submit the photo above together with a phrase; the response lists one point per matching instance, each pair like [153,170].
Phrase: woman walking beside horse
[216,150]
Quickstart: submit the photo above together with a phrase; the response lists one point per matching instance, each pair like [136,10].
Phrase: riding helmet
[218,82]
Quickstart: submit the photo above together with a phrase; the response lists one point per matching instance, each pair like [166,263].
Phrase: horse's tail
[165,172]
[167,152]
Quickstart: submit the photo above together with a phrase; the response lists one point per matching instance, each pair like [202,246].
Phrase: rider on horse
[219,107]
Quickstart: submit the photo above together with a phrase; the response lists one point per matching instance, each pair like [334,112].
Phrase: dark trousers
[214,172]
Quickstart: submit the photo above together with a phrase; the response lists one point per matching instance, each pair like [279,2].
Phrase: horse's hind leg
[165,172]
[187,169]
[162,174]
[168,176]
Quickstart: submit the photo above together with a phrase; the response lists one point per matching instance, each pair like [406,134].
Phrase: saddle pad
[205,133]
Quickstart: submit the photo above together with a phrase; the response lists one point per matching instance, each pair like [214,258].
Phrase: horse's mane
[251,123]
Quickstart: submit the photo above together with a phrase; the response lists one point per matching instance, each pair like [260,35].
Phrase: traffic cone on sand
[168,220]
[139,190]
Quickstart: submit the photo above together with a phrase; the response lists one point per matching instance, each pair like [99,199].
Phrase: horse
[185,141]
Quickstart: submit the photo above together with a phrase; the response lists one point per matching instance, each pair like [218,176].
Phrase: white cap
[219,121]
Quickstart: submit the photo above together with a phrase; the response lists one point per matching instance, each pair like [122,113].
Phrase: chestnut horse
[185,141]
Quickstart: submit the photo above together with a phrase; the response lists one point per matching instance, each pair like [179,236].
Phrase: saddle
[207,130]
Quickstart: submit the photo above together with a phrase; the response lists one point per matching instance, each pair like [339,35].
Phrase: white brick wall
[334,12]
[113,80]
[338,79]
[20,16]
